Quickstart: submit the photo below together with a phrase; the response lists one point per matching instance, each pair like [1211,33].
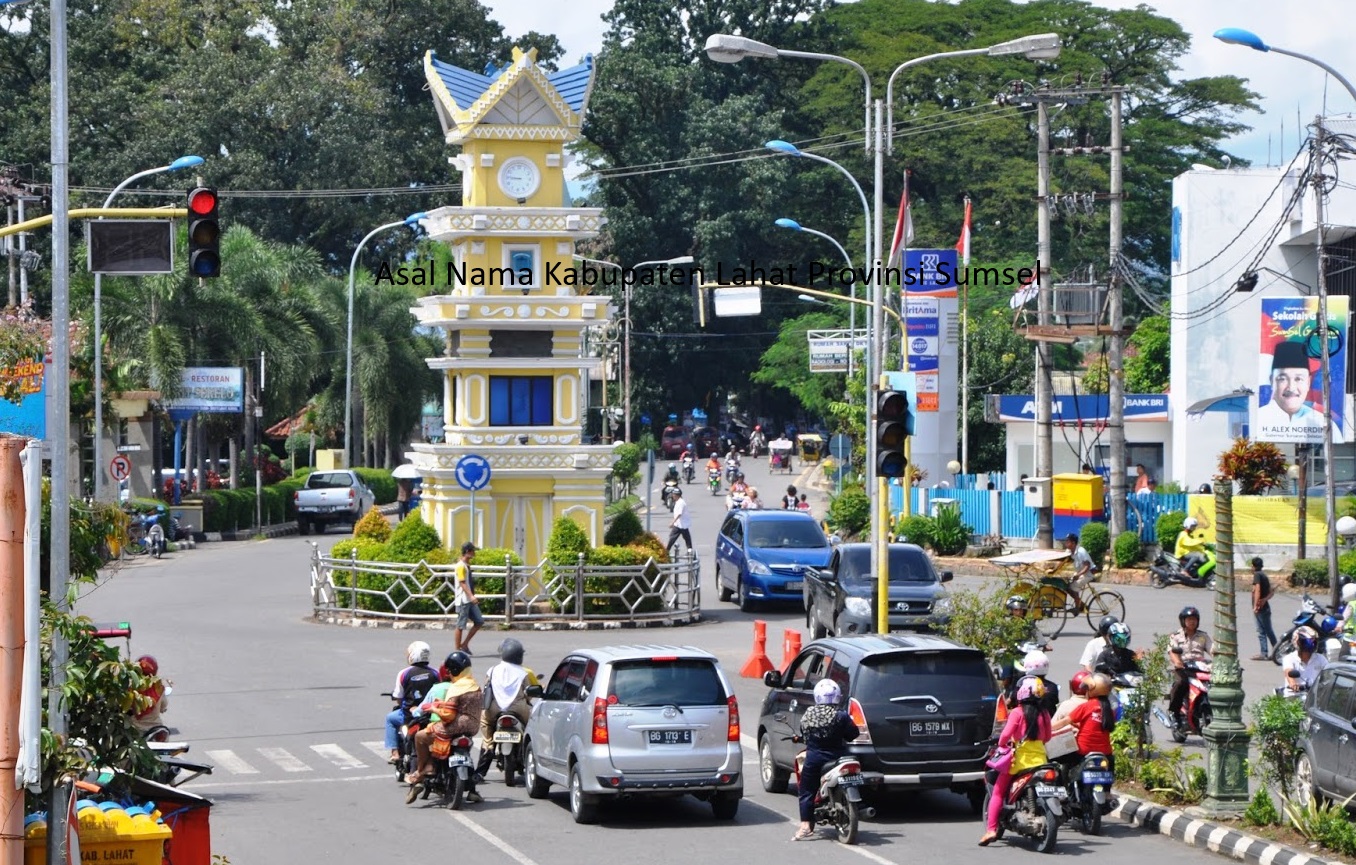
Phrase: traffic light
[204,232]
[893,425]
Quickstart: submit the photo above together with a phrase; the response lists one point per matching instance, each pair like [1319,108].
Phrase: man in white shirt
[682,523]
[1093,650]
[1303,665]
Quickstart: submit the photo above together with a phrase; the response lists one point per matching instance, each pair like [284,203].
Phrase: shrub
[1346,564]
[1126,551]
[652,546]
[382,484]
[492,557]
[850,510]
[567,541]
[915,529]
[625,528]
[1168,526]
[368,549]
[1257,466]
[373,526]
[1276,730]
[413,538]
[288,489]
[275,504]
[1096,539]
[950,535]
[628,595]
[1261,811]
[1309,573]
[626,464]
[983,622]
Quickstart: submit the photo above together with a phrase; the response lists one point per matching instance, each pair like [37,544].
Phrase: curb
[1216,837]
[598,625]
[274,531]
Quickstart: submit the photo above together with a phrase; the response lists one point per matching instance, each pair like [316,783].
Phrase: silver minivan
[626,721]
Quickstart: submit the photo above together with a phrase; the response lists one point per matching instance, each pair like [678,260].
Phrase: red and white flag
[963,245]
[903,225]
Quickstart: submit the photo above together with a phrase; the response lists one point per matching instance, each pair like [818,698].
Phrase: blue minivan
[761,555]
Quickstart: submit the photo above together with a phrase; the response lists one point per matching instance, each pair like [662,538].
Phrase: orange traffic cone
[758,662]
[790,646]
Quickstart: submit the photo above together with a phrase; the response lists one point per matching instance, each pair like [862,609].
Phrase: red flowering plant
[1257,466]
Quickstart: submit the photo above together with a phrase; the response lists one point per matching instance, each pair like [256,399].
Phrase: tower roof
[517,100]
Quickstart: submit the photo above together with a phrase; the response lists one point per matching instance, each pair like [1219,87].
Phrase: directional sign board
[473,472]
[120,468]
[840,447]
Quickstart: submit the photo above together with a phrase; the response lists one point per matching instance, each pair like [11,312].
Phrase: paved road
[290,713]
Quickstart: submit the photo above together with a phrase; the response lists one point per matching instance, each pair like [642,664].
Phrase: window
[521,261]
[521,400]
[787,535]
[809,670]
[1339,697]
[944,675]
[564,684]
[680,682]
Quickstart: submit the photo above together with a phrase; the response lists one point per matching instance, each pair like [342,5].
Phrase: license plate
[507,736]
[795,586]
[851,780]
[1049,791]
[1098,777]
[931,728]
[668,737]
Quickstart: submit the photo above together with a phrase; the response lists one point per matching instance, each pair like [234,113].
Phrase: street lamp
[1248,39]
[413,222]
[852,307]
[99,492]
[626,325]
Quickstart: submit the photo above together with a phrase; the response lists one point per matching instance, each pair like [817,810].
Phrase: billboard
[211,389]
[1289,408]
[28,416]
[829,348]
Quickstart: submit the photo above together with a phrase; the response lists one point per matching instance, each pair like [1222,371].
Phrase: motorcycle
[1196,711]
[838,801]
[173,769]
[452,776]
[730,468]
[1089,788]
[735,501]
[1125,699]
[507,736]
[689,469]
[1167,569]
[1312,615]
[667,494]
[713,481]
[1034,806]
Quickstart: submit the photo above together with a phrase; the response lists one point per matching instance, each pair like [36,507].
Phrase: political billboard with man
[1290,396]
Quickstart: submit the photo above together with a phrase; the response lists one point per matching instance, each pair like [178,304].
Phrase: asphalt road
[290,712]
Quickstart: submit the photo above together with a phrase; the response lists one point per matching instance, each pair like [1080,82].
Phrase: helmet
[511,651]
[739,476]
[1098,685]
[1306,640]
[757,428]
[1078,684]
[1030,690]
[1188,613]
[1349,593]
[1017,603]
[1190,524]
[673,466]
[1119,635]
[1036,663]
[1104,625]
[418,652]
[456,663]
[827,692]
[148,665]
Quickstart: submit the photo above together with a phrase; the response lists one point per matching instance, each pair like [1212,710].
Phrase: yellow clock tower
[515,375]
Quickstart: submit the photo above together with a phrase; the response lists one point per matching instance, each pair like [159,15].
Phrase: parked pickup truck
[332,497]
[840,598]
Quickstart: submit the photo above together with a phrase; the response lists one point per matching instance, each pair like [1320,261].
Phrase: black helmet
[455,663]
[1187,613]
[1104,624]
[511,651]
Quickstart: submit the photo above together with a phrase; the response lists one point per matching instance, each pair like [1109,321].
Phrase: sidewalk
[1219,838]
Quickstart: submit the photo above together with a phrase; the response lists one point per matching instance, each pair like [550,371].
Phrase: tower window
[524,400]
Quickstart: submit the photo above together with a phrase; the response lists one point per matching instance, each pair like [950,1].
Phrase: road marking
[508,849]
[339,757]
[226,785]
[378,748]
[283,760]
[232,763]
[879,860]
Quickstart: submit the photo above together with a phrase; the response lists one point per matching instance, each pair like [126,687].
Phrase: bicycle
[1052,604]
[136,544]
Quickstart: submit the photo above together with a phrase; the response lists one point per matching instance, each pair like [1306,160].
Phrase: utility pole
[1116,354]
[1320,241]
[1044,450]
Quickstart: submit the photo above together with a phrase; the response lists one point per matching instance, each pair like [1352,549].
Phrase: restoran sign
[211,389]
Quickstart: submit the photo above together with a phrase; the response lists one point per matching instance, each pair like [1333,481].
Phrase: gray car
[626,721]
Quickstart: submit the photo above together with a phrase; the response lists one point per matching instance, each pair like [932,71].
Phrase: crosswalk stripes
[227,761]
[378,748]
[339,757]
[283,759]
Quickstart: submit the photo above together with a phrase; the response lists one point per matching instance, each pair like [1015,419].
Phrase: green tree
[1001,361]
[1149,360]
[785,365]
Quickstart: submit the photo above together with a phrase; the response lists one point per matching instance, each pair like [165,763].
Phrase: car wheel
[303,526]
[536,786]
[583,807]
[1306,791]
[745,605]
[725,805]
[725,593]
[814,626]
[774,778]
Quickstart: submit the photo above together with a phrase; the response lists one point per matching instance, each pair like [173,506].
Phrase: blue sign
[1066,409]
[473,472]
[930,271]
[27,417]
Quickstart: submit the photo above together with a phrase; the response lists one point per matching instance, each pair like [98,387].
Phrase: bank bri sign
[1070,410]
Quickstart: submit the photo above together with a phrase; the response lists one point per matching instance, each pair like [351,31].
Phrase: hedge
[382,484]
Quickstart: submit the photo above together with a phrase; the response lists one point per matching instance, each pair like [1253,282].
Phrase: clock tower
[515,369]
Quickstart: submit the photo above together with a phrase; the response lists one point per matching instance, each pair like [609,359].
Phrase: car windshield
[786,534]
[907,564]
[677,682]
[327,480]
[952,675]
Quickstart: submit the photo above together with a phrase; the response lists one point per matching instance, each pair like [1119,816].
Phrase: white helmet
[1190,524]
[1349,593]
[418,652]
[1036,663]
[827,692]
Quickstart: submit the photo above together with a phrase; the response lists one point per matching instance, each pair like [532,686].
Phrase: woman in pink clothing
[1026,732]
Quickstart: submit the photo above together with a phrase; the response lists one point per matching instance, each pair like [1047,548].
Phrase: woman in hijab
[453,706]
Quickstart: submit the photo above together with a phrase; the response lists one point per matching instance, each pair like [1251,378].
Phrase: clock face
[519,178]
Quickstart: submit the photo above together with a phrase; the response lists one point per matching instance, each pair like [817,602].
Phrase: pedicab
[811,447]
[779,454]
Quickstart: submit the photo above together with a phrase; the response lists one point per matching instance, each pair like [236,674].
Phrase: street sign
[120,468]
[840,447]
[473,472]
[124,449]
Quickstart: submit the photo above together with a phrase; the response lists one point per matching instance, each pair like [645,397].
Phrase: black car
[924,704]
[1325,770]
[841,598]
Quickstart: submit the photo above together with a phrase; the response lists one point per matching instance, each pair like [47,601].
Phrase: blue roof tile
[573,84]
[464,86]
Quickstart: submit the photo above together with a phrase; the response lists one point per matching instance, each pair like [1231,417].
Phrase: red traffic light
[202,201]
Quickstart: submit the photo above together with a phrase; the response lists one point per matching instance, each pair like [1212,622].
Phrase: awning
[1237,401]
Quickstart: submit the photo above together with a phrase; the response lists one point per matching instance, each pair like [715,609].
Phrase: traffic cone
[758,662]
[790,646]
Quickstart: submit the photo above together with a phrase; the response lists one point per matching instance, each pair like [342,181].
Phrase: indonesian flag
[963,245]
[1025,292]
[903,224]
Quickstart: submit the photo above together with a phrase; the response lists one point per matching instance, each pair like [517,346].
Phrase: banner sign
[1289,406]
[923,320]
[930,272]
[1070,410]
[28,417]
[829,348]
[211,389]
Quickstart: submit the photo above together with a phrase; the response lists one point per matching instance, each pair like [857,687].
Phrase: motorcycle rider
[671,476]
[155,539]
[1008,672]
[1117,658]
[1078,694]
[411,685]
[1084,569]
[1187,646]
[689,464]
[757,442]
[1036,664]
[505,691]
[453,706]
[1026,732]
[826,729]
[1303,665]
[1190,550]
[1094,647]
[732,464]
[1094,720]
[156,695]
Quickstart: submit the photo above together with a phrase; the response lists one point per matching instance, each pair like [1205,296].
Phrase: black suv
[1324,769]
[924,704]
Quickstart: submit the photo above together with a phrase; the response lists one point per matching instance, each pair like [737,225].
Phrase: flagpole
[965,344]
[904,345]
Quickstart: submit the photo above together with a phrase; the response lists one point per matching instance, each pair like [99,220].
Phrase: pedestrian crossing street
[294,762]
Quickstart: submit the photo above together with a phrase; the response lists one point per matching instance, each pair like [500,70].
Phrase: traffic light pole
[879,548]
